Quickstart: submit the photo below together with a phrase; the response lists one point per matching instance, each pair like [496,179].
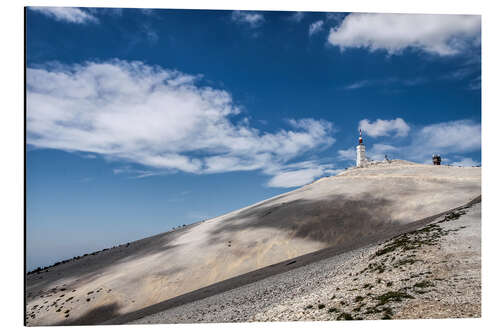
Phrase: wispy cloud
[251,19]
[391,81]
[106,11]
[138,173]
[466,162]
[315,27]
[67,14]
[347,154]
[359,84]
[150,33]
[475,84]
[161,119]
[86,179]
[335,18]
[296,17]
[468,72]
[442,35]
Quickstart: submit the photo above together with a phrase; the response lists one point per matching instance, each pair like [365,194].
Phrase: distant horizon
[139,120]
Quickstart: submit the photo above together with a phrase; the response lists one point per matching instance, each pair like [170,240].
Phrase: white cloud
[299,174]
[250,18]
[66,14]
[466,162]
[379,150]
[315,27]
[380,147]
[459,136]
[443,35]
[347,154]
[384,127]
[295,178]
[159,118]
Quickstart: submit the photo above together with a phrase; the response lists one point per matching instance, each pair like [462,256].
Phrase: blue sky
[142,120]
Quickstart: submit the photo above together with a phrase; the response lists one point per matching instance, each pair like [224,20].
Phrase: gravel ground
[433,272]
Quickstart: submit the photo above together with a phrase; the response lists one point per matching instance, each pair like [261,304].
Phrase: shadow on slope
[335,220]
[93,317]
[90,266]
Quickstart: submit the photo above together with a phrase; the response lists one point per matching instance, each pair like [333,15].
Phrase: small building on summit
[436,159]
[361,159]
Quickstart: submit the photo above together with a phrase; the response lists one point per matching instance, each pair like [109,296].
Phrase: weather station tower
[360,152]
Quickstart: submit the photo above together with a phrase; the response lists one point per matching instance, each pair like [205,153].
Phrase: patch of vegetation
[321,306]
[372,309]
[333,310]
[427,235]
[392,296]
[345,316]
[454,215]
[406,261]
[359,307]
[378,267]
[424,284]
[387,312]
[358,299]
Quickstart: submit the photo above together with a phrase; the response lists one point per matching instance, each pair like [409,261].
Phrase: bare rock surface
[433,272]
[346,211]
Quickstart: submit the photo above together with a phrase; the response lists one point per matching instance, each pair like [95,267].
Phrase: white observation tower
[360,152]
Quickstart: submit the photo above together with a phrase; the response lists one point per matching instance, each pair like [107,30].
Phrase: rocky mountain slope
[432,272]
[351,210]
